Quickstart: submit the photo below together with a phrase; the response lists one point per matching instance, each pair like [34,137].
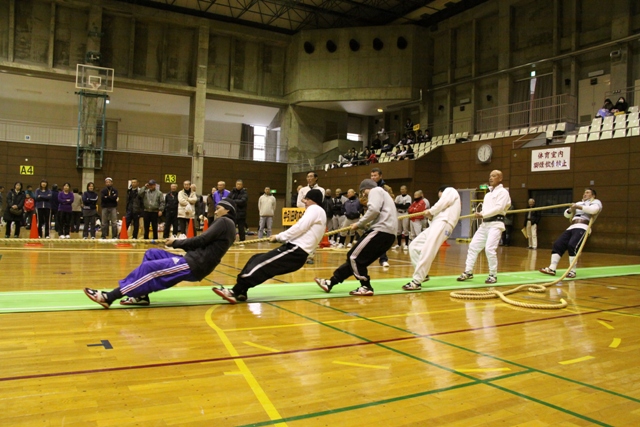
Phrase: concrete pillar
[12,30]
[197,111]
[504,60]
[621,77]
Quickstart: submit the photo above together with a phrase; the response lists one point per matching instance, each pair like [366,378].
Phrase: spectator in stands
[408,125]
[76,211]
[89,211]
[153,205]
[171,213]
[410,138]
[426,137]
[387,147]
[266,209]
[605,111]
[109,204]
[334,165]
[43,208]
[186,207]
[65,201]
[621,106]
[400,153]
[134,208]
[410,153]
[419,136]
[372,158]
[376,144]
[13,213]
[240,196]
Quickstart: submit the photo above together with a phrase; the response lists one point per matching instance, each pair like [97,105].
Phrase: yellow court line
[262,397]
[355,319]
[273,350]
[360,365]
[233,373]
[484,370]
[578,360]
[605,324]
[615,343]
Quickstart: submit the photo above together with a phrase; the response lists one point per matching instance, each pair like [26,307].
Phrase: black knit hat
[229,205]
[315,196]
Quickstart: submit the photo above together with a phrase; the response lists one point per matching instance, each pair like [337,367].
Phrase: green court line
[519,365]
[475,381]
[65,300]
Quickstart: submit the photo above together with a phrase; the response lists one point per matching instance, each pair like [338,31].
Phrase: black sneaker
[142,300]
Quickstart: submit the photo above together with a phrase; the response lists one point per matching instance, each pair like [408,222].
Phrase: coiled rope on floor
[494,293]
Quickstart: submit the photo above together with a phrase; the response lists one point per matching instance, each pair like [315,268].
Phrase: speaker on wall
[309,48]
[331,46]
[402,43]
[377,44]
[354,45]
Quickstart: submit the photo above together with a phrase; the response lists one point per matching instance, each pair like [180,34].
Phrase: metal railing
[175,145]
[537,112]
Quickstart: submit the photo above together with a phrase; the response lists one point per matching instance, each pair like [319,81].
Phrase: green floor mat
[32,301]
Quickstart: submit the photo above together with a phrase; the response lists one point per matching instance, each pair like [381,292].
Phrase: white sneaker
[182,236]
[60,237]
[385,264]
[396,247]
[405,248]
[349,245]
[340,246]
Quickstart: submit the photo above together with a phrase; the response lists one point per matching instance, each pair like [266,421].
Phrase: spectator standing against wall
[89,211]
[43,208]
[240,196]
[312,184]
[109,204]
[76,211]
[29,210]
[531,221]
[171,212]
[403,202]
[508,227]
[134,208]
[376,175]
[199,209]
[338,217]
[186,207]
[15,207]
[218,193]
[266,209]
[65,206]
[153,205]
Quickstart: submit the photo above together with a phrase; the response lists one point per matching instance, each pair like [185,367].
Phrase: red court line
[302,350]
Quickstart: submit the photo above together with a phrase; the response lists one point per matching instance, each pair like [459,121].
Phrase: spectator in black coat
[15,202]
[240,196]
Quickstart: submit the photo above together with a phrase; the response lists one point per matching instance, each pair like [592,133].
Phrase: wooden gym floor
[411,359]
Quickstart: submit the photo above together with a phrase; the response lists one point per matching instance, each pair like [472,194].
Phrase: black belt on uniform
[494,218]
[580,221]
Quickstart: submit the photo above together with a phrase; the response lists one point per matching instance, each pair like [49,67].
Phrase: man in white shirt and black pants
[424,248]
[403,201]
[494,208]
[298,242]
[381,213]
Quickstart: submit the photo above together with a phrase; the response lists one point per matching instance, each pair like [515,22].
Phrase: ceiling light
[380,110]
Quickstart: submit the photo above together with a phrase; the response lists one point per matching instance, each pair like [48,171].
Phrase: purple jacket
[65,201]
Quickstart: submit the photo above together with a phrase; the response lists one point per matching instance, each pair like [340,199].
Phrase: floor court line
[462,374]
[501,359]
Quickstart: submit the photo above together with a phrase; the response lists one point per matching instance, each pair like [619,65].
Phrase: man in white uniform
[298,241]
[494,207]
[424,248]
[579,214]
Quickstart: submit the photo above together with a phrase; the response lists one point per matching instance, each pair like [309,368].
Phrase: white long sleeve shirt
[381,212]
[303,192]
[448,207]
[588,209]
[496,202]
[308,231]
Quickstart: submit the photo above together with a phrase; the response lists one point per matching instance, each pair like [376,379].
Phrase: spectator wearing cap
[153,205]
[382,220]
[297,243]
[109,204]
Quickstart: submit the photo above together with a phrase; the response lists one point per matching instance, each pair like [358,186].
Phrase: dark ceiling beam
[318,10]
[450,11]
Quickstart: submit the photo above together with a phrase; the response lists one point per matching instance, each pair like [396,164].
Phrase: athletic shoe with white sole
[97,297]
[385,264]
[491,279]
[547,270]
[325,284]
[226,294]
[465,276]
[571,275]
[362,291]
[142,300]
[411,286]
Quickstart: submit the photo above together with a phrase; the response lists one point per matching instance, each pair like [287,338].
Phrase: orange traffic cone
[123,234]
[206,225]
[34,233]
[324,243]
[445,243]
[190,232]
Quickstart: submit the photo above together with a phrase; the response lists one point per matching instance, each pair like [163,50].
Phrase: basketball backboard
[92,78]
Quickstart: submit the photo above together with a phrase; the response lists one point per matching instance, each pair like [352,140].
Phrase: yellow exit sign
[26,170]
[171,179]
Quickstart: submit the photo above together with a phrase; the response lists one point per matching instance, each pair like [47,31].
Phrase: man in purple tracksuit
[161,270]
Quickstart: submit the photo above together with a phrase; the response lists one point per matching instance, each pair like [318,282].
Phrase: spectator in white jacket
[266,208]
[186,207]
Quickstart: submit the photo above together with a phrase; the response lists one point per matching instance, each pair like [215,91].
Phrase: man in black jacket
[171,212]
[134,208]
[240,196]
[161,270]
[531,221]
[109,204]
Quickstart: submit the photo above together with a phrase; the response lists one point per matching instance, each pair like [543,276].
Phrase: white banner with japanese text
[551,159]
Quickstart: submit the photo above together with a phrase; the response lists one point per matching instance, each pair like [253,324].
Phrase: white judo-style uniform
[495,205]
[424,248]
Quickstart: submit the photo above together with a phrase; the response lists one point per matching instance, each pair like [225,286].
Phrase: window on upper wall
[259,143]
[354,137]
[551,197]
